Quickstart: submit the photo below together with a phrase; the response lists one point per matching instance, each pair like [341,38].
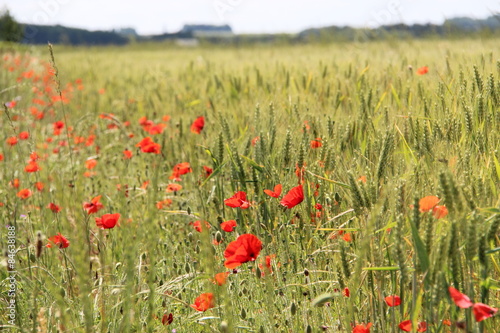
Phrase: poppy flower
[198,226]
[15,183]
[254,140]
[244,249]
[422,70]
[239,199]
[275,193]
[204,302]
[90,164]
[316,143]
[156,129]
[179,170]
[426,204]
[439,211]
[1,157]
[173,187]
[220,278]
[148,146]
[393,300]
[57,127]
[58,240]
[127,154]
[228,226]
[24,135]
[362,328]
[32,167]
[107,221]
[53,207]
[461,300]
[12,141]
[39,186]
[198,125]
[208,171]
[406,326]
[294,197]
[346,292]
[24,193]
[163,203]
[483,311]
[93,206]
[167,319]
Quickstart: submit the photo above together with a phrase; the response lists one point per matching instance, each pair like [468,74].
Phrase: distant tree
[10,30]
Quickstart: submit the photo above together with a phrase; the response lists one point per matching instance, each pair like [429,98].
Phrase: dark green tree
[10,30]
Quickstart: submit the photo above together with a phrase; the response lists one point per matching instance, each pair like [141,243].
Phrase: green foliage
[10,30]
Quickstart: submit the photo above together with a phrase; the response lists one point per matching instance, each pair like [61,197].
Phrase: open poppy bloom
[198,226]
[148,146]
[198,125]
[244,249]
[362,328]
[204,302]
[208,171]
[406,326]
[316,143]
[58,240]
[461,300]
[24,136]
[393,300]
[179,170]
[228,226]
[220,278]
[275,193]
[422,70]
[53,207]
[483,311]
[107,221]
[90,164]
[24,193]
[293,197]
[439,211]
[173,188]
[127,154]
[32,167]
[426,204]
[12,140]
[93,206]
[239,199]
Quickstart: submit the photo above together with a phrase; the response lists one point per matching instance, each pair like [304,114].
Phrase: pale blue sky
[244,16]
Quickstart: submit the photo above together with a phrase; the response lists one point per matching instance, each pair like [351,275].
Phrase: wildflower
[204,302]
[220,278]
[163,203]
[198,125]
[482,311]
[406,326]
[362,328]
[59,240]
[228,226]
[32,167]
[461,300]
[93,206]
[254,140]
[24,193]
[244,249]
[179,170]
[53,207]
[393,300]
[173,188]
[294,197]
[127,154]
[148,146]
[316,143]
[239,199]
[275,193]
[90,164]
[24,135]
[167,319]
[439,212]
[107,221]
[422,70]
[12,141]
[208,171]
[426,204]
[198,226]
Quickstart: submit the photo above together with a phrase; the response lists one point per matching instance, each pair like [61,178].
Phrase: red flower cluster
[481,311]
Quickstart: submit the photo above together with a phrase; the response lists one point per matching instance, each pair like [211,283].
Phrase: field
[386,153]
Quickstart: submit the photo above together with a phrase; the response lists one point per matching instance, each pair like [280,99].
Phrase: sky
[244,16]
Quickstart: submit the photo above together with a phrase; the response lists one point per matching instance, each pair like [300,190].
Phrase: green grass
[411,136]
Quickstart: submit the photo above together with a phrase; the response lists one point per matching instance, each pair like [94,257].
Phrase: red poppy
[90,164]
[254,140]
[127,154]
[228,226]
[293,197]
[406,326]
[164,203]
[208,171]
[107,221]
[244,249]
[316,143]
[24,193]
[220,278]
[179,170]
[483,311]
[167,319]
[93,206]
[198,226]
[39,186]
[239,199]
[461,300]
[173,187]
[156,129]
[15,183]
[148,146]
[204,302]
[198,125]
[59,240]
[12,141]
[1,157]
[275,193]
[393,300]
[426,204]
[439,211]
[346,292]
[32,167]
[57,126]
[53,207]
[422,70]
[24,136]
[361,328]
